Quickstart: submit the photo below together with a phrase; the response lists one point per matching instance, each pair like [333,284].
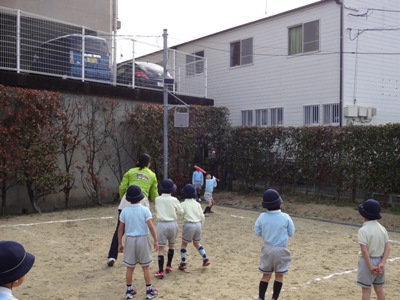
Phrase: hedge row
[349,159]
[98,137]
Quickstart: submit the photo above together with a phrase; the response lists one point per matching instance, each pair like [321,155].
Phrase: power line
[351,38]
[361,31]
[318,53]
[371,10]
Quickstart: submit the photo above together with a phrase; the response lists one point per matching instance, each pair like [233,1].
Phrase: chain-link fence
[34,44]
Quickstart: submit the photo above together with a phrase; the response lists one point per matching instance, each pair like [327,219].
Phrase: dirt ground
[71,252]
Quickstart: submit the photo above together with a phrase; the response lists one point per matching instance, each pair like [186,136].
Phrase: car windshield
[92,45]
[151,68]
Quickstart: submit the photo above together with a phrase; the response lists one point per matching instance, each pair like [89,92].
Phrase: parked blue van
[63,56]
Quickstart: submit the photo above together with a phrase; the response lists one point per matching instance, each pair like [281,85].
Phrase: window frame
[261,117]
[195,63]
[311,115]
[276,116]
[308,37]
[239,55]
[247,117]
[331,114]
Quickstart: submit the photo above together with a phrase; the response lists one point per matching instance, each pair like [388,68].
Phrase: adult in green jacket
[143,177]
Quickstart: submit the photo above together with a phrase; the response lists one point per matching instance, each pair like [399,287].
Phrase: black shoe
[111,262]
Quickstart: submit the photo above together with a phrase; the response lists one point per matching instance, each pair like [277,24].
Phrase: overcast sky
[185,20]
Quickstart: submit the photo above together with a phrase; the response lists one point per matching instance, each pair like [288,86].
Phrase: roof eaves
[256,21]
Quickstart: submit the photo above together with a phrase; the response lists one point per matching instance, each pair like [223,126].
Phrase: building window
[331,114]
[261,117]
[195,63]
[304,38]
[247,118]
[311,115]
[276,116]
[241,52]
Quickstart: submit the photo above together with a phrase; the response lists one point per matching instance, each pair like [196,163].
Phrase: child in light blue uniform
[211,183]
[136,222]
[275,228]
[197,181]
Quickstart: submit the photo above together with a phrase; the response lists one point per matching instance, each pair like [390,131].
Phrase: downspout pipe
[341,64]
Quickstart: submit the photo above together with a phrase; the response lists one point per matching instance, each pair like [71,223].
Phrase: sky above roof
[185,20]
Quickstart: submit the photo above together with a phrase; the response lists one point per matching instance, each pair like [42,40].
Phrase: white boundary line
[316,280]
[343,273]
[52,222]
[330,276]
[239,217]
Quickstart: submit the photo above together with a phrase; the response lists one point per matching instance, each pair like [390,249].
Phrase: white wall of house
[372,58]
[274,79]
[371,63]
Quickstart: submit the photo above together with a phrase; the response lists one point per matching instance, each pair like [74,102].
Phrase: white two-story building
[327,63]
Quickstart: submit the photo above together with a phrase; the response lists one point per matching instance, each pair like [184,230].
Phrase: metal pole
[115,25]
[83,53]
[18,41]
[165,91]
[133,64]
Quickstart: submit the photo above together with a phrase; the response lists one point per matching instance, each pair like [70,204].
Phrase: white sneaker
[130,293]
[151,294]
[111,262]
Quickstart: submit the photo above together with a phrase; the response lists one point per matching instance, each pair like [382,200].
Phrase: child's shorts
[197,185]
[365,278]
[274,259]
[166,232]
[137,249]
[191,232]
[208,196]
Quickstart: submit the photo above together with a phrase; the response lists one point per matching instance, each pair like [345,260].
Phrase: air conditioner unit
[371,112]
[363,112]
[351,111]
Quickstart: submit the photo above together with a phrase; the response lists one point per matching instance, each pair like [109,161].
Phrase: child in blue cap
[375,248]
[136,222]
[275,228]
[193,219]
[15,263]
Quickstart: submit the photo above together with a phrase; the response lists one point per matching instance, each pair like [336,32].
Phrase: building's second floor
[305,66]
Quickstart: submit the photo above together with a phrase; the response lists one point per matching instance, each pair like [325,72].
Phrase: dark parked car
[147,74]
